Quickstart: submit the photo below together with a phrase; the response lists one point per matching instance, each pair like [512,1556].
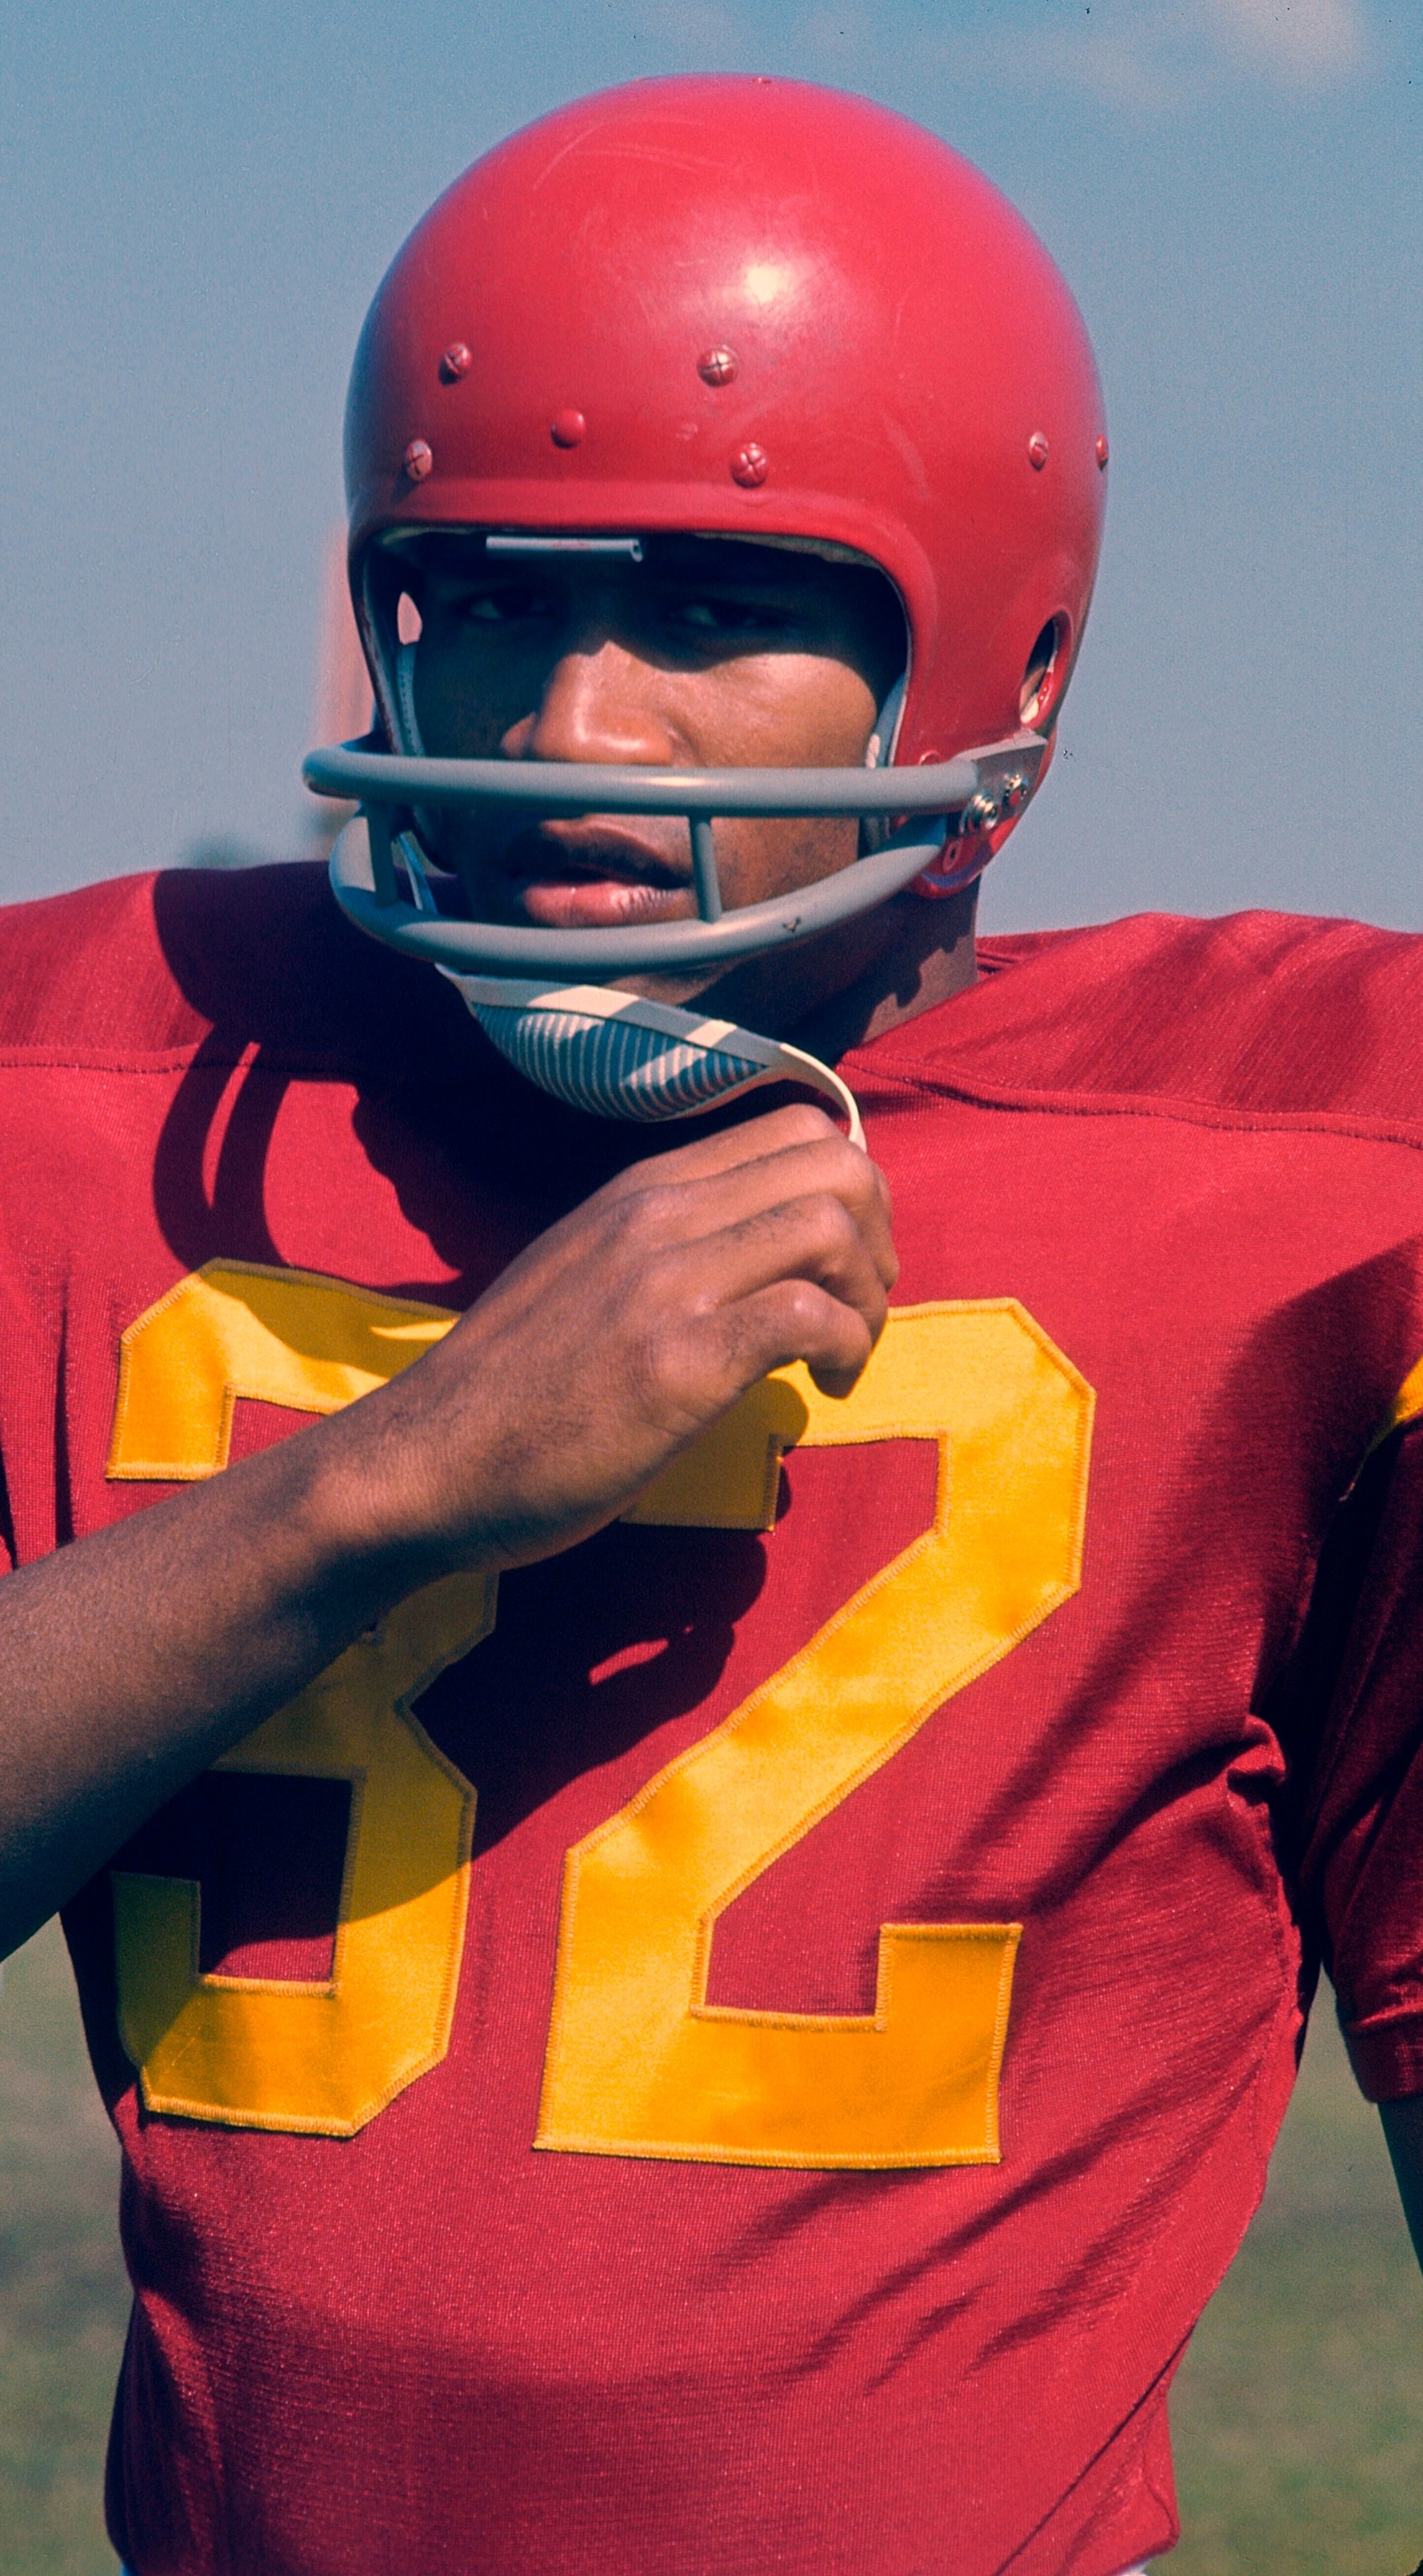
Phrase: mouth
[588,875]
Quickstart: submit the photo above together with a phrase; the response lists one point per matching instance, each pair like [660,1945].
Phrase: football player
[700,1775]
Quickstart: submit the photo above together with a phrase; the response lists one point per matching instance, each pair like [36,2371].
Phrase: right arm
[130,1661]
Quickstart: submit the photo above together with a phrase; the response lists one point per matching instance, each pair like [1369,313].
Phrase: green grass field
[1298,2416]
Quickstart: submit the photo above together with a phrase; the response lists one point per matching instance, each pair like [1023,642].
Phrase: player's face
[705,655]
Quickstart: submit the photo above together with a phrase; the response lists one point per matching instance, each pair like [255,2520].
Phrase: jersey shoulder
[159,966]
[1262,1014]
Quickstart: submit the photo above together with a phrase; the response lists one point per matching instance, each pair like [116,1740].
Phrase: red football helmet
[751,307]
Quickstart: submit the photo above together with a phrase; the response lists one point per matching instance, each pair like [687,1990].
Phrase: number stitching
[963,1373]
[643,1891]
[315,2057]
[324,2057]
[213,1318]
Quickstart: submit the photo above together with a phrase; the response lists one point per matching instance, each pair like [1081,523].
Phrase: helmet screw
[455,363]
[1037,451]
[418,459]
[1103,451]
[750,465]
[1013,792]
[979,814]
[718,366]
[566,428]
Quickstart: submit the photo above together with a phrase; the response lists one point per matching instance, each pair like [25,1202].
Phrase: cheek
[437,697]
[845,715]
[787,711]
[465,695]
[758,859]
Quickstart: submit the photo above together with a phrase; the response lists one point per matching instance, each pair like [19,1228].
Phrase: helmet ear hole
[1042,678]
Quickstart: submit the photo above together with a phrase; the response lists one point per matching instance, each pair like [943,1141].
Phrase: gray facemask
[543,997]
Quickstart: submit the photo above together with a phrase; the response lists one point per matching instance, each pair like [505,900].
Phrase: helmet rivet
[1037,451]
[1103,450]
[566,428]
[718,366]
[1013,792]
[455,363]
[418,459]
[979,814]
[750,465]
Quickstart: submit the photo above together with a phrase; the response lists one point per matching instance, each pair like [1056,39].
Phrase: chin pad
[617,1056]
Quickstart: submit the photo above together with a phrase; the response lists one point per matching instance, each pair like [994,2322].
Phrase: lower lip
[596,903]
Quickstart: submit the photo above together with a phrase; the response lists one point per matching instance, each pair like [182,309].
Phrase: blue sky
[197,210]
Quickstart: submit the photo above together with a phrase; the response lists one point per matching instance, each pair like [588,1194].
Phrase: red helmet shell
[756,307]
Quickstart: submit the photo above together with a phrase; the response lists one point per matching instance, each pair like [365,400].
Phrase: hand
[132,1659]
[623,1333]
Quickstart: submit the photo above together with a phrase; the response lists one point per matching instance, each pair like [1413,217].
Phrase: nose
[599,701]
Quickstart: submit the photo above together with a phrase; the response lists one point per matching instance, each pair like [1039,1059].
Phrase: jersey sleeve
[1361,1766]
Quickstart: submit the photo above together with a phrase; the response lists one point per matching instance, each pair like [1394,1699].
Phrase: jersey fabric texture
[742,2306]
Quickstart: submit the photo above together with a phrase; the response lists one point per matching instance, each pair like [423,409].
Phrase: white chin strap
[617,1056]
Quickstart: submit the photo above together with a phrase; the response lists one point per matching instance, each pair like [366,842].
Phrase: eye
[724,616]
[507,606]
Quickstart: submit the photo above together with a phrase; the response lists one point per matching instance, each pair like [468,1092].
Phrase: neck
[859,981]
[929,958]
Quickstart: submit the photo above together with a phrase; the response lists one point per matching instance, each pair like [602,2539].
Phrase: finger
[656,1200]
[749,1142]
[794,1319]
[656,1216]
[814,1238]
[825,1166]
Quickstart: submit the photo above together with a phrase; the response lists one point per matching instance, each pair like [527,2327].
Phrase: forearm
[131,1660]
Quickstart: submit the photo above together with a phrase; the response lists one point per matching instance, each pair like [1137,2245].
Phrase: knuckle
[807,1125]
[851,1176]
[641,1219]
[833,1222]
[804,1308]
[660,1376]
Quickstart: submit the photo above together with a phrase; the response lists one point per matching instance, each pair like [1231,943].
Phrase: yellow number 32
[638,2063]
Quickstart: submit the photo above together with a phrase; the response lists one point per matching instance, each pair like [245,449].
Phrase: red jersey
[747,2046]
